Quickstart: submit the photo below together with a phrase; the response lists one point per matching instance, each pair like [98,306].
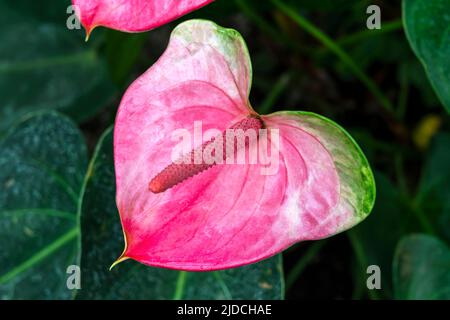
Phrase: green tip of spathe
[88,34]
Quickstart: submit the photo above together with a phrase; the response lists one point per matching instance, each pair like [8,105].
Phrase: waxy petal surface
[133,15]
[231,214]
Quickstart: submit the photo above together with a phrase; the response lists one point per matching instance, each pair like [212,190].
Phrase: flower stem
[180,284]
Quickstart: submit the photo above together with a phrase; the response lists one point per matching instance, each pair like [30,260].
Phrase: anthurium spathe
[203,216]
[132,15]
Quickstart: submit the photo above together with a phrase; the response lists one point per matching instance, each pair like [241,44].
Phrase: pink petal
[133,15]
[228,215]
[352,181]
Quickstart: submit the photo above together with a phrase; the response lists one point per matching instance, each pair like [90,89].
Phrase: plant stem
[260,22]
[400,172]
[336,49]
[422,218]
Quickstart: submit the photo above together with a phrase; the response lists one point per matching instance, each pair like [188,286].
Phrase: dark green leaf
[412,71]
[102,243]
[378,235]
[323,6]
[421,268]
[43,160]
[42,10]
[427,25]
[47,66]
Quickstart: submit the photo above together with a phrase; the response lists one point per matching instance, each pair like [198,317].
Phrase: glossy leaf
[378,235]
[101,234]
[123,52]
[43,161]
[322,184]
[421,268]
[44,11]
[427,26]
[434,190]
[45,66]
[395,214]
[133,16]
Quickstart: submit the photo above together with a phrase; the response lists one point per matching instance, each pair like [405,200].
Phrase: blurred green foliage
[46,66]
[307,55]
[101,231]
[43,161]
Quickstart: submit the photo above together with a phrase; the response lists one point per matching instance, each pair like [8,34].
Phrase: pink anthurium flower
[132,15]
[208,216]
